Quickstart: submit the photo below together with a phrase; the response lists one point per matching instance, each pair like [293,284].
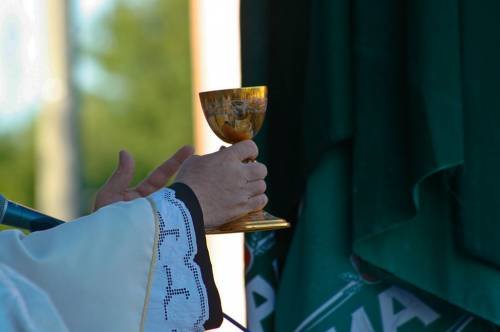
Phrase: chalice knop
[235,115]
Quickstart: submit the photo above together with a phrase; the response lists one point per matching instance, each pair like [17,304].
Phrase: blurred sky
[23,54]
[22,64]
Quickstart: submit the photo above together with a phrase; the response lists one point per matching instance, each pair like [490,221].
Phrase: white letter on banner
[258,312]
[360,321]
[414,308]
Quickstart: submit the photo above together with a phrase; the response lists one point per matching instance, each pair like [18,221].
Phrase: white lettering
[258,311]
[414,308]
[360,321]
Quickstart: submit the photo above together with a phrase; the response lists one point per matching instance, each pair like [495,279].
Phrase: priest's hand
[117,188]
[226,186]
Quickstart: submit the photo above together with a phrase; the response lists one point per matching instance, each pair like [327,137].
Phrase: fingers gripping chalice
[236,115]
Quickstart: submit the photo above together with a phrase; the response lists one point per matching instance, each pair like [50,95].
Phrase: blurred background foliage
[141,101]
[148,111]
[17,168]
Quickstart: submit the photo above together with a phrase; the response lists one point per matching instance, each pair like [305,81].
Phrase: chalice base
[252,222]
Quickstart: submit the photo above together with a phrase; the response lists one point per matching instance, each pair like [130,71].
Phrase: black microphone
[16,215]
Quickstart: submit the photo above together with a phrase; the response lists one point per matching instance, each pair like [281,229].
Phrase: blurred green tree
[147,110]
[16,165]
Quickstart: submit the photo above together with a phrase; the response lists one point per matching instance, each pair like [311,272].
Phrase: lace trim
[183,299]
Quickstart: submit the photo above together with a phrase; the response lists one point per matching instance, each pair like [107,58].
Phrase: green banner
[325,287]
[383,150]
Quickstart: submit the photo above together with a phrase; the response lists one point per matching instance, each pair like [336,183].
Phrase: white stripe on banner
[341,296]
[460,324]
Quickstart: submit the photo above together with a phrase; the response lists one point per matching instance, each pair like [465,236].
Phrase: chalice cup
[235,115]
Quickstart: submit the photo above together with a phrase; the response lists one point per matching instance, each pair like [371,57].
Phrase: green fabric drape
[392,109]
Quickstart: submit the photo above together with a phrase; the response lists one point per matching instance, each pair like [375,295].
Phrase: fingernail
[121,156]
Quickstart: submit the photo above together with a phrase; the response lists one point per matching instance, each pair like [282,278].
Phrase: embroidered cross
[163,234]
[171,292]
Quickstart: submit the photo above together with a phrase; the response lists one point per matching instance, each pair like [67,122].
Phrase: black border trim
[202,258]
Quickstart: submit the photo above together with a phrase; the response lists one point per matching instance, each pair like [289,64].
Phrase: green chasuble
[382,141]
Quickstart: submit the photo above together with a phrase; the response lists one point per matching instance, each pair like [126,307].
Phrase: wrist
[186,194]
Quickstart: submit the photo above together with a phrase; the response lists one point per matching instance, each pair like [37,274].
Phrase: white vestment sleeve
[95,270]
[183,295]
[24,306]
[136,266]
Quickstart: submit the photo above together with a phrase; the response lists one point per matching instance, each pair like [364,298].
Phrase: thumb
[123,174]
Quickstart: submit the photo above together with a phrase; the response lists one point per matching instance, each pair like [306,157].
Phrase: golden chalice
[236,115]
